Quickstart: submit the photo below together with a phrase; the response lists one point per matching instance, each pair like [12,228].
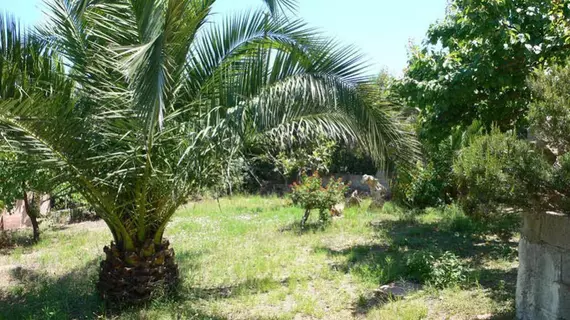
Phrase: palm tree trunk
[133,277]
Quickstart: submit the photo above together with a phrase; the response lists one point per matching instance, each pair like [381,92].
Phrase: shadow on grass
[23,237]
[12,239]
[501,285]
[310,227]
[189,263]
[472,244]
[373,300]
[383,264]
[250,286]
[36,295]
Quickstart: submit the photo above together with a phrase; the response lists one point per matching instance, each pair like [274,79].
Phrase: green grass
[246,258]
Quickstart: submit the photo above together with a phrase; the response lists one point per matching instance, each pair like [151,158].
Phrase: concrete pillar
[543,282]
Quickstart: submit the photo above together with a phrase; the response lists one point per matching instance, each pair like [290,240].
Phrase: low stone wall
[543,283]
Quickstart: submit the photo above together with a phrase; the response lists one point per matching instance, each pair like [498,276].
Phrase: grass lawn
[246,258]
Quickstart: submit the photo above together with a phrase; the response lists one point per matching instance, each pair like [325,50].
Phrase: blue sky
[380,28]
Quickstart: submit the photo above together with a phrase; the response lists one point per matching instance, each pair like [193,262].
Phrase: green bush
[429,184]
[549,118]
[440,271]
[455,220]
[310,157]
[281,165]
[5,240]
[561,183]
[499,170]
[418,266]
[549,113]
[310,194]
[447,270]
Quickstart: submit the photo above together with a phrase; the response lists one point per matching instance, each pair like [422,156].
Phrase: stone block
[563,301]
[565,273]
[549,265]
[555,229]
[531,226]
[540,292]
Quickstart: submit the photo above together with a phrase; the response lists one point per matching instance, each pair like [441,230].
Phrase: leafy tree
[322,154]
[21,178]
[474,64]
[26,69]
[348,159]
[314,156]
[163,101]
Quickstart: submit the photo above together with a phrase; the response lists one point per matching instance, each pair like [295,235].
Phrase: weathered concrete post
[543,282]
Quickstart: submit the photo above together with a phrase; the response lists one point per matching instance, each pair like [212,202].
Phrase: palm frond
[306,106]
[281,6]
[154,102]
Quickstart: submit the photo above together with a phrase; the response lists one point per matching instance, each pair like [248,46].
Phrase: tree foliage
[549,118]
[498,169]
[549,114]
[474,64]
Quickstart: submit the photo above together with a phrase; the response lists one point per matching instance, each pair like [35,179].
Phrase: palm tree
[162,101]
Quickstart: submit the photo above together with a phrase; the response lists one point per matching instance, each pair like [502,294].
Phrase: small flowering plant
[310,194]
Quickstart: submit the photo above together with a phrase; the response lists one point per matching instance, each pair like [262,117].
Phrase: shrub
[549,118]
[455,220]
[499,169]
[429,184]
[310,194]
[418,266]
[5,240]
[310,157]
[447,270]
[549,113]
[277,166]
[561,184]
[439,271]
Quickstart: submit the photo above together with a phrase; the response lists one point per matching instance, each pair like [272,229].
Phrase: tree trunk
[35,227]
[33,215]
[135,277]
[305,218]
